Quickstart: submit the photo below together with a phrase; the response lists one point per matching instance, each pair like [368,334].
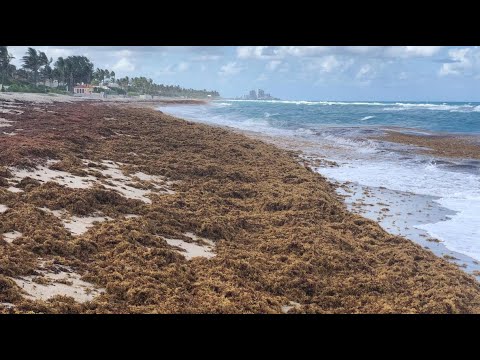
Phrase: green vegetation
[37,71]
[19,87]
[142,85]
[33,61]
[103,75]
[6,69]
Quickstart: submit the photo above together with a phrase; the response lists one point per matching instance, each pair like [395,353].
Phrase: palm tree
[106,75]
[47,73]
[97,75]
[33,61]
[5,66]
[59,70]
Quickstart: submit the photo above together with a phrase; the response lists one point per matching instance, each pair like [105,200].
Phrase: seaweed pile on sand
[276,235]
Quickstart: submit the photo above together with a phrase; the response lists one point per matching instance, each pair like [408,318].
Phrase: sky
[342,73]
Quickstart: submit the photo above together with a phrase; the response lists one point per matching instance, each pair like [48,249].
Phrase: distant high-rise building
[253,95]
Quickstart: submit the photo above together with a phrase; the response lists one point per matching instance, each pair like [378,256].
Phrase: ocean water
[295,115]
[339,131]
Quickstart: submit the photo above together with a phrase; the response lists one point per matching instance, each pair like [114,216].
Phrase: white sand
[52,98]
[10,111]
[79,225]
[191,250]
[80,290]
[3,208]
[9,134]
[146,177]
[5,122]
[130,192]
[119,180]
[11,105]
[198,238]
[75,224]
[36,98]
[57,213]
[7,305]
[113,169]
[11,236]
[44,174]
[291,305]
[14,189]
[116,179]
[159,182]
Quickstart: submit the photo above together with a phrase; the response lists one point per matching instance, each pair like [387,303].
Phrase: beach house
[83,89]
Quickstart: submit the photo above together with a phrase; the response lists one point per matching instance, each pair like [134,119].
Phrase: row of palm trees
[104,76]
[72,70]
[67,71]
[147,86]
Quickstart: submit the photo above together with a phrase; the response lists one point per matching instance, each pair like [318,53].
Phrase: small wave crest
[360,146]
[433,107]
[367,118]
[267,114]
[303,131]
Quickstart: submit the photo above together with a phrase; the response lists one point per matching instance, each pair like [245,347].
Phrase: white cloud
[262,77]
[365,72]
[304,51]
[183,66]
[52,52]
[411,51]
[166,70]
[272,65]
[231,68]
[464,61]
[57,52]
[207,57]
[173,69]
[124,64]
[123,53]
[247,52]
[328,64]
[280,52]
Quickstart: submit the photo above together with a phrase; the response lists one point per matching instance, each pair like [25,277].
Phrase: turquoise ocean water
[294,115]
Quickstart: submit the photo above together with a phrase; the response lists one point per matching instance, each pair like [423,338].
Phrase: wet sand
[401,213]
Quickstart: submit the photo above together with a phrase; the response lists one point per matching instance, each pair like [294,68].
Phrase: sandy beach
[114,207]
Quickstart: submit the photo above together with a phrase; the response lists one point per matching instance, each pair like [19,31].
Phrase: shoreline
[387,206]
[376,204]
[58,98]
[275,232]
